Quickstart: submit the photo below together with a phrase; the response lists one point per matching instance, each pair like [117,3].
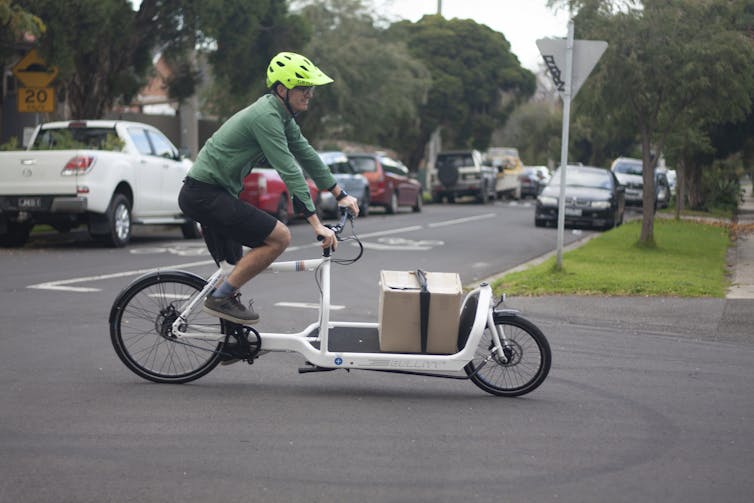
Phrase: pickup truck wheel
[17,235]
[282,210]
[119,222]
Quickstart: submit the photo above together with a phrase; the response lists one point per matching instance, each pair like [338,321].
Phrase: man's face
[299,97]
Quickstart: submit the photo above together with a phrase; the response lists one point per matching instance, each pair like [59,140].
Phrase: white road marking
[461,220]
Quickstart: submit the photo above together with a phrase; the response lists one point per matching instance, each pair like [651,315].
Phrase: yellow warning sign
[33,71]
[36,99]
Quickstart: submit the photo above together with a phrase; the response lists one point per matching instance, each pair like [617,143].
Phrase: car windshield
[628,168]
[454,161]
[363,164]
[575,177]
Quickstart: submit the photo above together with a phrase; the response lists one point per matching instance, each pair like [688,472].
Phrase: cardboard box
[400,312]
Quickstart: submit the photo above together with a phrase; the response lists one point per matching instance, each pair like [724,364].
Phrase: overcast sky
[521,21]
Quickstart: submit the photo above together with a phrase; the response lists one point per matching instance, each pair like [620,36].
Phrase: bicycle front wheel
[528,358]
[141,323]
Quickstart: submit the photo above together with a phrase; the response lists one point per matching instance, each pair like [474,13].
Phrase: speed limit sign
[36,99]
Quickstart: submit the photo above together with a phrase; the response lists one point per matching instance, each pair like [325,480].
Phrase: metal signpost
[578,58]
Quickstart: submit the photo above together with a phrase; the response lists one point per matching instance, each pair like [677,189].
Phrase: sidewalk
[742,280]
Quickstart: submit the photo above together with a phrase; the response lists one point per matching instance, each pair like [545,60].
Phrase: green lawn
[688,261]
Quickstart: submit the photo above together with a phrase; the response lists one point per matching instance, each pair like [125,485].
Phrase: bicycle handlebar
[345,216]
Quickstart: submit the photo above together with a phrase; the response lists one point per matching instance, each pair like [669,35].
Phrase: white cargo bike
[160,331]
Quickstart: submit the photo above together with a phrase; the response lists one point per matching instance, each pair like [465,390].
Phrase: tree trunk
[647,236]
[680,188]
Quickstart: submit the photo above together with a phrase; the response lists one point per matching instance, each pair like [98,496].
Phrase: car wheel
[364,206]
[17,234]
[416,208]
[118,222]
[392,206]
[282,213]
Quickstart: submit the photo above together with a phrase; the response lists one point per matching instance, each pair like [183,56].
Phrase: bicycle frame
[303,342]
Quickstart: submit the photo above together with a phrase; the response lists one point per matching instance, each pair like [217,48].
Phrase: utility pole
[439,7]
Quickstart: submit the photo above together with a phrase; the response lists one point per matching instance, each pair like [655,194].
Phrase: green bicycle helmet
[291,70]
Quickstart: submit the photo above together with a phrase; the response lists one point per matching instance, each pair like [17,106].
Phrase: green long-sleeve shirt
[263,132]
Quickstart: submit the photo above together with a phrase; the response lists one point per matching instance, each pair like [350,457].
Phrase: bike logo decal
[339,361]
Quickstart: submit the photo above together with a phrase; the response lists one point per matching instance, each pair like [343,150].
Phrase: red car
[389,182]
[264,189]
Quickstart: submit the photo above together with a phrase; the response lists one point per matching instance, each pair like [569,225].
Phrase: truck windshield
[74,138]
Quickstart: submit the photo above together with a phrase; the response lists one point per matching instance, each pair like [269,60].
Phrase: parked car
[354,183]
[629,172]
[593,198]
[264,189]
[461,173]
[533,179]
[390,185]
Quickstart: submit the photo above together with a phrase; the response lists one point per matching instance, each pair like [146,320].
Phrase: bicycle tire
[529,360]
[140,329]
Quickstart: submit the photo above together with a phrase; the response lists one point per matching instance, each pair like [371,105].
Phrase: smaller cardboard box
[400,312]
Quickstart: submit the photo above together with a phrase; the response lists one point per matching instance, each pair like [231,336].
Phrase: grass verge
[688,261]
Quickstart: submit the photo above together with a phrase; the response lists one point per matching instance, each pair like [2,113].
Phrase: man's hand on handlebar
[351,203]
[326,236]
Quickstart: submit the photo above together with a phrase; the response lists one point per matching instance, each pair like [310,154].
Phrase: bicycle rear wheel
[528,354]
[141,322]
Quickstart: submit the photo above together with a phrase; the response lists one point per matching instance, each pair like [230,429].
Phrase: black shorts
[226,216]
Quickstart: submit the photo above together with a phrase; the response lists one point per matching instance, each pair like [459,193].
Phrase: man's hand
[351,203]
[328,236]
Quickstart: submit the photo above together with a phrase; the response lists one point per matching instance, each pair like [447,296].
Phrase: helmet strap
[285,100]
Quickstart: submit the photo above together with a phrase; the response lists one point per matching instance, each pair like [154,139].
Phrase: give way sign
[586,53]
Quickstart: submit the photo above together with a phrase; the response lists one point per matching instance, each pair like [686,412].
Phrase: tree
[15,22]
[476,80]
[535,129]
[378,85]
[667,65]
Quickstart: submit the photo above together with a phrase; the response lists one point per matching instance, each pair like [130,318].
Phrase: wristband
[343,194]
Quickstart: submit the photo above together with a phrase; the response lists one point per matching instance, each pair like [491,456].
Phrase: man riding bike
[264,133]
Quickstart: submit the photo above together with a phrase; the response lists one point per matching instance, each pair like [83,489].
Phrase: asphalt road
[647,399]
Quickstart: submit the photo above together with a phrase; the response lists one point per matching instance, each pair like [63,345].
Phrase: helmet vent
[299,75]
[280,64]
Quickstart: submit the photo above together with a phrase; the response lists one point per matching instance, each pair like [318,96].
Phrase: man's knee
[279,238]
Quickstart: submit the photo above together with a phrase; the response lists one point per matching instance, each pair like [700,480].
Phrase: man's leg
[223,301]
[259,258]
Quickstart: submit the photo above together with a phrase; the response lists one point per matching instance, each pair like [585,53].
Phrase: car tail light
[262,185]
[78,165]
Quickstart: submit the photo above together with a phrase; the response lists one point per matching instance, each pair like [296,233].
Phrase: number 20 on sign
[36,99]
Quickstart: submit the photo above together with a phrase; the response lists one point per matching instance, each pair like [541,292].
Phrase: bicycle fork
[498,337]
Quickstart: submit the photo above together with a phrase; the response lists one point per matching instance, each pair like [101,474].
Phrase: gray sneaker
[231,309]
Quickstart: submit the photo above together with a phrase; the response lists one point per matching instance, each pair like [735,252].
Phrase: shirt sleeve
[273,141]
[308,158]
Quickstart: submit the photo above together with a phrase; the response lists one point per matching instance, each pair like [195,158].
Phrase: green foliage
[11,144]
[378,85]
[61,139]
[669,66]
[535,128]
[98,49]
[15,22]
[689,260]
[476,80]
[112,142]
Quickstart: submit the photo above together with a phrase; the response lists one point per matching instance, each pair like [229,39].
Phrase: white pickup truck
[110,175]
